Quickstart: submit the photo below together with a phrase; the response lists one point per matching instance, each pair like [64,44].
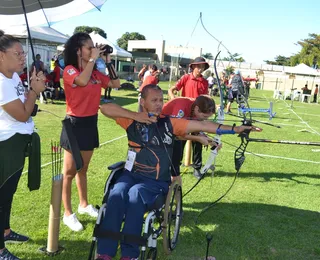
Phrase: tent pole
[28,29]
[28,66]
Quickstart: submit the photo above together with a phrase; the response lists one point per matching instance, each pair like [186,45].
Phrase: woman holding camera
[16,130]
[82,84]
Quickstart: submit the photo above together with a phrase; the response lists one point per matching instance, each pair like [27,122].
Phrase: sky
[258,30]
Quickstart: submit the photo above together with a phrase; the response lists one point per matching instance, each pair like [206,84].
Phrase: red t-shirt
[178,107]
[149,80]
[191,86]
[56,72]
[83,101]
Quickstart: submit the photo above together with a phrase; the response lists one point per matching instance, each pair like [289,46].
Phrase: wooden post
[54,217]
[187,155]
[53,247]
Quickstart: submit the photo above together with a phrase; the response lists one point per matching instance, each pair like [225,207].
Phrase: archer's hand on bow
[147,118]
[243,128]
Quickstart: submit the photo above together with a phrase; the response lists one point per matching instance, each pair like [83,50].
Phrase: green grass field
[272,212]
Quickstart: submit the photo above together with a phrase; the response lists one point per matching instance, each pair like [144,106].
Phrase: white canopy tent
[40,34]
[117,51]
[45,40]
[302,69]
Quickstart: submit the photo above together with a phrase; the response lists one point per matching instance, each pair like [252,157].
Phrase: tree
[229,70]
[234,57]
[207,55]
[123,41]
[279,60]
[88,29]
[310,52]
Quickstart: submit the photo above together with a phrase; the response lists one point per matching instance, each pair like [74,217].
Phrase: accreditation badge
[131,158]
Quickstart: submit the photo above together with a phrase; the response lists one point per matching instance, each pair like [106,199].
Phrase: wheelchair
[164,218]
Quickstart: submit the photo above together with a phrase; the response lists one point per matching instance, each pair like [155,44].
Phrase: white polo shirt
[10,90]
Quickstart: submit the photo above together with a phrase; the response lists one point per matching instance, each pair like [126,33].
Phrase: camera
[106,49]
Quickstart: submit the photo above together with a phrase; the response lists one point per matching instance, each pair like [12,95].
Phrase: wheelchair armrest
[116,165]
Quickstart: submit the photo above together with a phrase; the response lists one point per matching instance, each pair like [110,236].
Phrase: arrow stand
[53,247]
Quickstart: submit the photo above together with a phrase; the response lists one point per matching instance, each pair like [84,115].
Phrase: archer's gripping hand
[144,117]
[243,128]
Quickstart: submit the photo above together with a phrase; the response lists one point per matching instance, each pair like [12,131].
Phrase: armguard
[112,73]
[224,132]
[35,110]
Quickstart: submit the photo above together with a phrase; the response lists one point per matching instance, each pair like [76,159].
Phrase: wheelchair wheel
[93,250]
[152,254]
[172,217]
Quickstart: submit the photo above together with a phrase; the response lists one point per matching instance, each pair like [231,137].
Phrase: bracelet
[34,91]
[233,126]
[219,126]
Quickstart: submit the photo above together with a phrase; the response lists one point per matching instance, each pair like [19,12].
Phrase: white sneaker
[72,222]
[90,210]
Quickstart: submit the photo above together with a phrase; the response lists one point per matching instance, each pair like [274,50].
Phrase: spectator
[56,79]
[152,70]
[193,84]
[82,85]
[315,94]
[16,129]
[236,87]
[24,77]
[38,64]
[153,79]
[149,175]
[305,90]
[102,67]
[141,74]
[210,80]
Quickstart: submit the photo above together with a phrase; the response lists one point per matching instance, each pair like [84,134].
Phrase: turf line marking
[304,122]
[112,140]
[266,98]
[309,114]
[287,158]
[107,142]
[279,157]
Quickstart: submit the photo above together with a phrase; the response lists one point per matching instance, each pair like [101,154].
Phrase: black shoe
[14,237]
[6,255]
[197,174]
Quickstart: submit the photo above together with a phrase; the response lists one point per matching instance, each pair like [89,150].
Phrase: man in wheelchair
[147,170]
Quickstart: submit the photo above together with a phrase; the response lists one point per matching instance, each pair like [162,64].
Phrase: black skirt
[85,130]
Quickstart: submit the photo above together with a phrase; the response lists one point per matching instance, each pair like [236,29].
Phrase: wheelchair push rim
[172,217]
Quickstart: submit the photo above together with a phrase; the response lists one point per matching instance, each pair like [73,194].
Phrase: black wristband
[34,91]
[233,126]
[219,126]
